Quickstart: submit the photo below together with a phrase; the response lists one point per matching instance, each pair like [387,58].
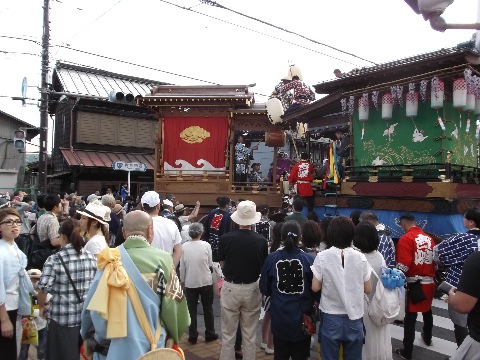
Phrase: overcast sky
[222,47]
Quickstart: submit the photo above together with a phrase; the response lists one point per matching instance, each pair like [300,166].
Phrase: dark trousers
[309,201]
[62,342]
[8,346]
[460,334]
[409,330]
[297,350]
[206,297]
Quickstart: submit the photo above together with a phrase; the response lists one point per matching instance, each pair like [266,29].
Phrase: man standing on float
[301,178]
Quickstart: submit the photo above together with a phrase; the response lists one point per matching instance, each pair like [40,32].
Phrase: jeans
[339,329]
[206,296]
[42,340]
[409,330]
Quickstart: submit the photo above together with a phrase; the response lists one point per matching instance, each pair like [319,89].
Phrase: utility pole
[43,161]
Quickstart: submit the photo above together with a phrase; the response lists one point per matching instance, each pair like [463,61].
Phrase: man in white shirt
[166,235]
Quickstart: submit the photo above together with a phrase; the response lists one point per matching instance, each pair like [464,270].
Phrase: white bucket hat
[97,211]
[246,213]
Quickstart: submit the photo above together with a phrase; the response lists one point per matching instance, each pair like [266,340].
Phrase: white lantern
[477,106]
[437,93]
[411,104]
[470,105]
[363,108]
[387,106]
[459,93]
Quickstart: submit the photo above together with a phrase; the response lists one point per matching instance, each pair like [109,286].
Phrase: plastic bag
[29,331]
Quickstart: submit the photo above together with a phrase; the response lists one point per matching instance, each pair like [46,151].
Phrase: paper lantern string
[375,98]
[467,128]
[343,102]
[423,90]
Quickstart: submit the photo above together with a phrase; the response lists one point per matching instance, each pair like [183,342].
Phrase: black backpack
[263,228]
[40,252]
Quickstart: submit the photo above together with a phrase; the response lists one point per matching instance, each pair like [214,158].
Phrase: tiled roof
[426,61]
[91,158]
[85,80]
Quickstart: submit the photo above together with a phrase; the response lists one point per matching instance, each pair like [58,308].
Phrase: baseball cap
[151,198]
[92,197]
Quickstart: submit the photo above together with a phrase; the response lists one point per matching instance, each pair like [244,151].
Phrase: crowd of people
[139,292]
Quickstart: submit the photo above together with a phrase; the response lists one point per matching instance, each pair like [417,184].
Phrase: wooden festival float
[195,143]
[414,136]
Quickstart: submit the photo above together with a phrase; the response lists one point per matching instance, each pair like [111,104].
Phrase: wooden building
[95,127]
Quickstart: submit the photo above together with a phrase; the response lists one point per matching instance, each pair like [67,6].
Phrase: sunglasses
[12,222]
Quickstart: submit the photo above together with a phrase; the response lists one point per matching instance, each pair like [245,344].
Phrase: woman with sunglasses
[15,284]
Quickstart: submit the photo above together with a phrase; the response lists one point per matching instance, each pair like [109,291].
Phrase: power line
[110,8]
[259,32]
[126,62]
[17,53]
[215,4]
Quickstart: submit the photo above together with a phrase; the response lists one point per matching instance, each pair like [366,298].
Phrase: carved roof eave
[414,66]
[194,101]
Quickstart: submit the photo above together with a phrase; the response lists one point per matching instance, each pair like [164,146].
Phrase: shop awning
[91,158]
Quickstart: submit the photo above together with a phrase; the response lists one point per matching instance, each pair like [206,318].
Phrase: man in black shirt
[465,300]
[241,254]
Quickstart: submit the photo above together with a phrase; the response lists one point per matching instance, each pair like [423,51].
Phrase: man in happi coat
[108,309]
[415,259]
[301,177]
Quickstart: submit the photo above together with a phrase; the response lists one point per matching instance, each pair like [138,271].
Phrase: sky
[202,42]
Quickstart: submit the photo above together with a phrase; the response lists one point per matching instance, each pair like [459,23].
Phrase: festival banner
[194,144]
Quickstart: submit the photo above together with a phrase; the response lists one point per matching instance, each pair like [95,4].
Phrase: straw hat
[97,211]
[246,213]
[179,208]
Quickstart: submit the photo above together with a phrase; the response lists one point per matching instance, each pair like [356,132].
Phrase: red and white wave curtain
[194,145]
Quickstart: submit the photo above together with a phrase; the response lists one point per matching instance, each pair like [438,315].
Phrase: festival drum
[275,138]
[275,110]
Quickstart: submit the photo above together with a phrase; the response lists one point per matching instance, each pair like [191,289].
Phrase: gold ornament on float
[194,134]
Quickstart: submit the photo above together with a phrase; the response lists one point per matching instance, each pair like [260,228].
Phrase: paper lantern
[459,93]
[470,104]
[437,93]
[387,106]
[411,104]
[476,111]
[363,109]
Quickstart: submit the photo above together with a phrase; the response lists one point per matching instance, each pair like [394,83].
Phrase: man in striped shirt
[452,253]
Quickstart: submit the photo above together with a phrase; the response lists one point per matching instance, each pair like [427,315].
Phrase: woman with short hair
[378,340]
[343,275]
[196,274]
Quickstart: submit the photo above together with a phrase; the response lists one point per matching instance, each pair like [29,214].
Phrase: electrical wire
[17,53]
[125,62]
[215,4]
[259,32]
[110,8]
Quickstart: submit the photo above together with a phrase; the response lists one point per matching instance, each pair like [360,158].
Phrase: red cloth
[302,171]
[190,139]
[415,257]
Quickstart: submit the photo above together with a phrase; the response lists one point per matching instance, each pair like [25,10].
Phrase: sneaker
[238,354]
[428,343]
[192,341]
[211,338]
[269,351]
[263,346]
[400,354]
